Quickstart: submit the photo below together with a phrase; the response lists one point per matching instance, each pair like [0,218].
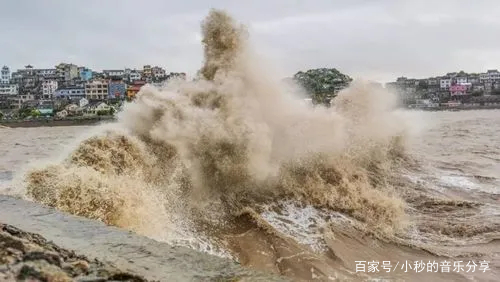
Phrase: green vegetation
[322,84]
[25,112]
[35,113]
[103,113]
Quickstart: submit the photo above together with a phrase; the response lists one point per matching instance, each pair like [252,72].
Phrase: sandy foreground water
[237,167]
[41,243]
[459,160]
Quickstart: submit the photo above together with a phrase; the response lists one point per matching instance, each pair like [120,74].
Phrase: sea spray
[210,152]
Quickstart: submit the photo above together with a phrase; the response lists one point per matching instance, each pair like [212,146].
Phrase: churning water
[235,165]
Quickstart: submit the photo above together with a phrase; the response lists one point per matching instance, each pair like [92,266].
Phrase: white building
[9,89]
[96,90]
[72,107]
[461,80]
[46,72]
[95,108]
[21,99]
[5,75]
[83,102]
[48,88]
[134,75]
[62,114]
[490,75]
[8,95]
[159,72]
[71,92]
[445,83]
[113,73]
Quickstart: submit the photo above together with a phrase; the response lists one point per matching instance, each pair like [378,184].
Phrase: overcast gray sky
[377,39]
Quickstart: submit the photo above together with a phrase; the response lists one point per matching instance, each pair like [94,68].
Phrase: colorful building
[134,88]
[117,89]
[458,90]
[85,74]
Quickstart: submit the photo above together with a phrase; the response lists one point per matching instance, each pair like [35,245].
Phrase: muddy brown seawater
[235,165]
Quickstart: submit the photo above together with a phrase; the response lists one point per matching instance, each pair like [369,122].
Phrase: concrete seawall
[130,252]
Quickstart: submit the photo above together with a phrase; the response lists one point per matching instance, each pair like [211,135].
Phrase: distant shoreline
[96,120]
[455,108]
[55,122]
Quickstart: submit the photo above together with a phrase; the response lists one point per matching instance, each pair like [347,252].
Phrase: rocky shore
[30,257]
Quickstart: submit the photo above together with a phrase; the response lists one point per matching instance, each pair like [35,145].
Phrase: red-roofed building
[134,88]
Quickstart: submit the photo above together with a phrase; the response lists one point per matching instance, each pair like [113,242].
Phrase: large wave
[212,155]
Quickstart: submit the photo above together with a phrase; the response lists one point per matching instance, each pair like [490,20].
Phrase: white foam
[304,224]
[457,181]
[414,178]
[184,235]
[202,244]
[490,210]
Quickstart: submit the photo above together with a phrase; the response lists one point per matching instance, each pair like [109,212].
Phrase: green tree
[35,113]
[103,112]
[322,84]
[24,112]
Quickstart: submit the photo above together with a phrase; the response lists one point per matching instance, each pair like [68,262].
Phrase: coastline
[464,107]
[97,120]
[55,122]
[118,252]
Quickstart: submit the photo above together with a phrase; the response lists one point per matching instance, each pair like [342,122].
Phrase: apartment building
[96,90]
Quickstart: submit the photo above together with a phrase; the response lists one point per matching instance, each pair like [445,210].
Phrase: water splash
[202,153]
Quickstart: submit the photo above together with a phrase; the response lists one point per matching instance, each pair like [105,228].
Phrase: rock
[14,252]
[43,271]
[79,267]
[52,258]
[29,257]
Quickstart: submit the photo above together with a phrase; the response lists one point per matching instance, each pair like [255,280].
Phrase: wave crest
[226,144]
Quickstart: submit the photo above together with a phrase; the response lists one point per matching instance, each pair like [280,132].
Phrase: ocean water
[236,165]
[449,167]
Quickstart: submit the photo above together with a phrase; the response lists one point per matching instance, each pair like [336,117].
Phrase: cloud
[379,39]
